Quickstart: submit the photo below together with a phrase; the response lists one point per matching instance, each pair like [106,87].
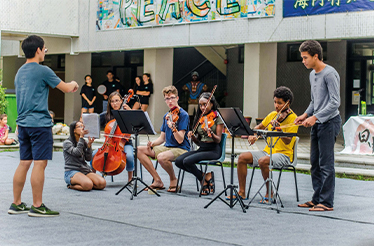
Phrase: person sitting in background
[4,130]
[52,114]
[78,174]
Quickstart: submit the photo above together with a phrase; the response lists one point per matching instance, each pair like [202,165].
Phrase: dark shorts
[144,99]
[36,143]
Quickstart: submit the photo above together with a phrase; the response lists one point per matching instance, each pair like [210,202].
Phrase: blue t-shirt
[182,124]
[32,84]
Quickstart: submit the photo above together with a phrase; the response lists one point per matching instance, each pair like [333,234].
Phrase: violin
[207,121]
[173,116]
[279,118]
[110,159]
[201,116]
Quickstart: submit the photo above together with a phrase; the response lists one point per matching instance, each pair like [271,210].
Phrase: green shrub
[3,102]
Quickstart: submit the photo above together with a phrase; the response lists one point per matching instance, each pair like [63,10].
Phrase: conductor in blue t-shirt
[173,134]
[34,122]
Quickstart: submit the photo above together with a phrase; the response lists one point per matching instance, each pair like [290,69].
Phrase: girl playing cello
[208,137]
[115,102]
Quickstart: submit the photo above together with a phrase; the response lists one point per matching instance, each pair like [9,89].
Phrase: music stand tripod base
[135,123]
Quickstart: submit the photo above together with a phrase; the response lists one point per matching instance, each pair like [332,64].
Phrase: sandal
[309,204]
[173,189]
[212,185]
[321,208]
[205,190]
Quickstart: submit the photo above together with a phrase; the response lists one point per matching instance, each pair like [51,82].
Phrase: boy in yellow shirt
[282,152]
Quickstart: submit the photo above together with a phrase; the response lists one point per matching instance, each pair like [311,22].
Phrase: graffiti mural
[113,14]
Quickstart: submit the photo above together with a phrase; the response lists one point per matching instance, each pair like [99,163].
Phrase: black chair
[286,167]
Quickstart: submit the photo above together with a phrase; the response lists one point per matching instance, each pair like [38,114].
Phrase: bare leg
[244,159]
[129,175]
[264,162]
[165,159]
[81,182]
[19,180]
[144,107]
[90,110]
[144,153]
[9,141]
[37,181]
[136,105]
[99,182]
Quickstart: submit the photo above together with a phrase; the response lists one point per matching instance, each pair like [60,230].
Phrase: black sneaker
[42,211]
[18,209]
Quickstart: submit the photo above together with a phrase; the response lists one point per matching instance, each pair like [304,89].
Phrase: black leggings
[207,151]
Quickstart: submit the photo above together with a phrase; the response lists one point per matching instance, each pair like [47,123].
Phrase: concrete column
[159,63]
[260,62]
[77,66]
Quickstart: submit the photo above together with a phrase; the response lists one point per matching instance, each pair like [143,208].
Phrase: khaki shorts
[279,160]
[192,108]
[176,151]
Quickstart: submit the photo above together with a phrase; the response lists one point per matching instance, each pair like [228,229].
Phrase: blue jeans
[129,150]
[105,105]
[322,140]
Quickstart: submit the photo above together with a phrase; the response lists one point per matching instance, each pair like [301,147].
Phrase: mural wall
[113,14]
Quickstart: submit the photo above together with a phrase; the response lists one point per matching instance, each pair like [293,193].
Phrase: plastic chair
[210,162]
[285,167]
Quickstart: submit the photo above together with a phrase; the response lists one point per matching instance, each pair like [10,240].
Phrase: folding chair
[210,162]
[286,167]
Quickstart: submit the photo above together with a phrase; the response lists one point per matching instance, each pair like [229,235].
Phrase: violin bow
[276,116]
[198,122]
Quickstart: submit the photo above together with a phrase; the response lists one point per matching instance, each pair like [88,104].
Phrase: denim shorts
[36,143]
[69,175]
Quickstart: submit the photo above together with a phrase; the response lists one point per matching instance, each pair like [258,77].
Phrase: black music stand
[134,122]
[271,134]
[237,126]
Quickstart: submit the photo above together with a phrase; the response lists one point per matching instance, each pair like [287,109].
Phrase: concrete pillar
[159,63]
[260,63]
[77,66]
[11,64]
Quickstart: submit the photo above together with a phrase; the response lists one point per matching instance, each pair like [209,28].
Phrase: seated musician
[115,102]
[208,137]
[78,174]
[282,152]
[173,134]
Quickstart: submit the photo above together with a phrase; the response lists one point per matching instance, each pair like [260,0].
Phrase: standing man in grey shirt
[324,118]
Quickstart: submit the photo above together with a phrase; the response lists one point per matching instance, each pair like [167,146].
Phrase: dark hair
[285,93]
[149,76]
[85,77]
[141,82]
[31,44]
[312,47]
[2,116]
[109,116]
[110,71]
[213,100]
[72,134]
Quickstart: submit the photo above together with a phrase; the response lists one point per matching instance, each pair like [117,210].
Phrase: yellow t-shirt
[280,146]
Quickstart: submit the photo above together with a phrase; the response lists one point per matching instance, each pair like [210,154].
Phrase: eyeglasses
[115,101]
[79,126]
[45,50]
[169,98]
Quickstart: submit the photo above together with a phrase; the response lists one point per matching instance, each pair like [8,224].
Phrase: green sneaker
[18,209]
[42,211]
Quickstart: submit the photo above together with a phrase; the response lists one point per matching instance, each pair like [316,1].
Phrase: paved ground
[102,218]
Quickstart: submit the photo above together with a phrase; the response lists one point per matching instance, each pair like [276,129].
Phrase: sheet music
[92,124]
[150,123]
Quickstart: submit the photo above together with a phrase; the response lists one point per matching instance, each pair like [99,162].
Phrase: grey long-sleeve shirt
[76,156]
[325,94]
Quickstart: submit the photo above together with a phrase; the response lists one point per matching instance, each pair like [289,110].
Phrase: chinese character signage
[316,7]
[113,14]
[359,135]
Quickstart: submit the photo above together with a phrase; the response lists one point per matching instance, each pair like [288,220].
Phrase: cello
[110,159]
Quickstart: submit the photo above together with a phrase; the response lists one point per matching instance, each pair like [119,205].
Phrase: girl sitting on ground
[4,130]
[78,174]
